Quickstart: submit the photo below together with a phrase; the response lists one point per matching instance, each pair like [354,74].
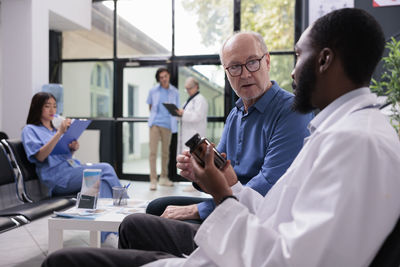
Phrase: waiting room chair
[3,135]
[29,187]
[9,202]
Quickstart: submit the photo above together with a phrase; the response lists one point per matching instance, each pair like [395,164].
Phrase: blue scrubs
[60,173]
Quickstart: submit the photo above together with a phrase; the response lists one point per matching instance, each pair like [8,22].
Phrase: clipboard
[172,108]
[74,131]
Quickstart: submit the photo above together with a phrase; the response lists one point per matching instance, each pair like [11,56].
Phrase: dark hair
[35,110]
[355,37]
[162,69]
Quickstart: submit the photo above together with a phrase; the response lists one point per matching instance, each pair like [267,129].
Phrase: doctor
[193,114]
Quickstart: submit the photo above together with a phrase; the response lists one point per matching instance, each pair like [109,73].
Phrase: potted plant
[389,84]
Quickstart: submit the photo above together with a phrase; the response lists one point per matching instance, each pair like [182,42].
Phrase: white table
[108,221]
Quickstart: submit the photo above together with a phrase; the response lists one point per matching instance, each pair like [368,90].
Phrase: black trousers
[143,238]
[158,205]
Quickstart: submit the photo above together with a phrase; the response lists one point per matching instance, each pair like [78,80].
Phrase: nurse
[61,173]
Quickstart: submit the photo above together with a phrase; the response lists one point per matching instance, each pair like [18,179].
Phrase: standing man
[162,125]
[193,114]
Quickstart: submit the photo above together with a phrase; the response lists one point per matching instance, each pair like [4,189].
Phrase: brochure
[80,213]
[87,198]
[74,131]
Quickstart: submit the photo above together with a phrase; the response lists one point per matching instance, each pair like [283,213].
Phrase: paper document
[74,131]
[80,213]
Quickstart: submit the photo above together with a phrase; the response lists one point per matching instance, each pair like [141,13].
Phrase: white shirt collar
[328,110]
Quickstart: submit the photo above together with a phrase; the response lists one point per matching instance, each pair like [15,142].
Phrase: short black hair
[162,69]
[35,110]
[355,36]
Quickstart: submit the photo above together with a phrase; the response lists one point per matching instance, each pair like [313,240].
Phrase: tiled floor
[26,246]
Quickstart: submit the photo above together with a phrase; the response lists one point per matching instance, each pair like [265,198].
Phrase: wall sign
[318,8]
[381,3]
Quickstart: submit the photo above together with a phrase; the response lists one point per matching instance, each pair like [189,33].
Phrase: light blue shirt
[52,170]
[154,99]
[263,142]
[162,118]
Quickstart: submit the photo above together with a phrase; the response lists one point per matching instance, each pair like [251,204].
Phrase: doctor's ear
[325,59]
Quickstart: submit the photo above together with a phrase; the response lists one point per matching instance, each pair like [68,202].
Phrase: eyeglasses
[251,65]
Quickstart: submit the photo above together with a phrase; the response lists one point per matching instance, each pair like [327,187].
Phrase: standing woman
[60,173]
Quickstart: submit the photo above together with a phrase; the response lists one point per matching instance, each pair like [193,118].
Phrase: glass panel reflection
[88,89]
[214,131]
[201,26]
[135,148]
[281,69]
[273,19]
[144,28]
[136,86]
[94,43]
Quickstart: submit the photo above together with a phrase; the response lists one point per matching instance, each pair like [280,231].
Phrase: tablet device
[172,108]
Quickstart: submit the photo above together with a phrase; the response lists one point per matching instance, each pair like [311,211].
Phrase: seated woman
[61,173]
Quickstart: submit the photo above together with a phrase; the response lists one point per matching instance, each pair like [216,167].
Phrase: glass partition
[96,42]
[211,85]
[135,135]
[88,89]
[137,83]
[273,19]
[201,26]
[281,69]
[135,150]
[144,28]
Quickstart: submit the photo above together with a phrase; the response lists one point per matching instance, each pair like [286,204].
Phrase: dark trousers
[143,238]
[158,205]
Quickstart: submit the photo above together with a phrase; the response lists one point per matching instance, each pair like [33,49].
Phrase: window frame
[112,145]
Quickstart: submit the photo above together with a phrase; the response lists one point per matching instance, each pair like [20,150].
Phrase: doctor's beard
[304,88]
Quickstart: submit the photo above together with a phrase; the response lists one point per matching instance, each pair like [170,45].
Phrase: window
[86,92]
[273,19]
[201,26]
[211,85]
[144,28]
[94,43]
[183,35]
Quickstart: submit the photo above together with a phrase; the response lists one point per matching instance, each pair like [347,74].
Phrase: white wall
[24,47]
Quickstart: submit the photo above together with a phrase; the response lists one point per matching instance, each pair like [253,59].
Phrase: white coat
[193,120]
[334,206]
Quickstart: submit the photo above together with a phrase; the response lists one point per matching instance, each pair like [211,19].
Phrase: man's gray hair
[256,35]
[193,81]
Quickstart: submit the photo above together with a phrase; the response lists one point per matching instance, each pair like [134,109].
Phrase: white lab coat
[193,120]
[334,206]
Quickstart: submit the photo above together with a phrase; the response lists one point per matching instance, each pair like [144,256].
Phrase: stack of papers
[76,213]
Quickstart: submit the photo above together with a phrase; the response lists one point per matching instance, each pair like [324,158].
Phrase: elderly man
[193,114]
[261,137]
[262,134]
